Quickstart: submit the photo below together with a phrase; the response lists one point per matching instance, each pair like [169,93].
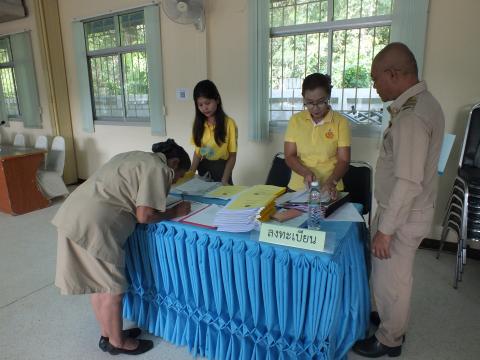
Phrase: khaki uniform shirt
[406,172]
[101,213]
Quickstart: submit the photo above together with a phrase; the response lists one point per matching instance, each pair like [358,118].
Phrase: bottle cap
[314,183]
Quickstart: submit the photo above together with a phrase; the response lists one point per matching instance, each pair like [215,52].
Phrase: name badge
[313,240]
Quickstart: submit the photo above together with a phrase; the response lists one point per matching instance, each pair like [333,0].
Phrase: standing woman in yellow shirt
[214,135]
[317,140]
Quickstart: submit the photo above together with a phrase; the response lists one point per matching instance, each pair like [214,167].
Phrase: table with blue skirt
[229,296]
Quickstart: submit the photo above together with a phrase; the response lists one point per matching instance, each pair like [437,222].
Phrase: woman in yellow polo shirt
[317,140]
[214,135]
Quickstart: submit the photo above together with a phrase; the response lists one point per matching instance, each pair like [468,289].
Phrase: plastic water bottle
[314,207]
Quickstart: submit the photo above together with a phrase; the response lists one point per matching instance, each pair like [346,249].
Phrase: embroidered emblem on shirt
[329,134]
[207,152]
[410,103]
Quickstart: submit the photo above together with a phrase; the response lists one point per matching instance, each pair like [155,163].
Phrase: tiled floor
[37,323]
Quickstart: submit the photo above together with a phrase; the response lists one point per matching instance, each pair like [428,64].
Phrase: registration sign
[313,240]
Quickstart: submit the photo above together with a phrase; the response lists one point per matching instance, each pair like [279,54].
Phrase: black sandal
[132,333]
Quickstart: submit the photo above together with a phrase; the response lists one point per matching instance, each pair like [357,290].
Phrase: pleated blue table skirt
[226,296]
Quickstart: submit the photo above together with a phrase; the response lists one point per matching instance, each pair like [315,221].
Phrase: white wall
[21,25]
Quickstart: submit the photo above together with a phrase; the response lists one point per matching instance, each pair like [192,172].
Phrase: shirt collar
[171,172]
[162,157]
[327,119]
[394,107]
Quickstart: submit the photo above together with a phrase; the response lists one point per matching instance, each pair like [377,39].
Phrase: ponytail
[171,150]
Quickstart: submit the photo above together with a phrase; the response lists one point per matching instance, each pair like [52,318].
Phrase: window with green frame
[7,79]
[337,37]
[19,98]
[117,66]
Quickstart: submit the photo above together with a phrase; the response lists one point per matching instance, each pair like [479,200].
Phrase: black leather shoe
[372,348]
[143,347]
[132,333]
[375,320]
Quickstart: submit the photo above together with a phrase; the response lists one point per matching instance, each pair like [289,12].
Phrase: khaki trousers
[392,279]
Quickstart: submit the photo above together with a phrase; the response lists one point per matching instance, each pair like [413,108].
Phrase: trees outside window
[117,66]
[338,37]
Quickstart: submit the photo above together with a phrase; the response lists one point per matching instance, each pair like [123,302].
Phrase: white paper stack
[244,212]
[237,220]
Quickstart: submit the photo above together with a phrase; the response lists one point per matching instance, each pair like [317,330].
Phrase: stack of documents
[251,206]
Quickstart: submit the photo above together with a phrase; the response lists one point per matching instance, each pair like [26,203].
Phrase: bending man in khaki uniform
[405,190]
[94,223]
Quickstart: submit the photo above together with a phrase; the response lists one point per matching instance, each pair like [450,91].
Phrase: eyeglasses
[320,103]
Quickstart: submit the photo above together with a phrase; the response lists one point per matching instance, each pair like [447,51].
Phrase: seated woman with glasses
[317,141]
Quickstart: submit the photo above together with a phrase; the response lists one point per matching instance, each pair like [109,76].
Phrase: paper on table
[447,145]
[203,217]
[226,192]
[194,207]
[196,186]
[346,212]
[300,197]
[286,197]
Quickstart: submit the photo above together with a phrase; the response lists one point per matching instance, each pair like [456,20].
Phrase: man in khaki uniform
[94,223]
[405,190]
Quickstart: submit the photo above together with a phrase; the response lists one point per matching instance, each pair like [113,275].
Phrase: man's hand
[381,245]
[182,208]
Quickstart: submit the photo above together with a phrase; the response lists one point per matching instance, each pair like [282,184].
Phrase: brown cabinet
[19,192]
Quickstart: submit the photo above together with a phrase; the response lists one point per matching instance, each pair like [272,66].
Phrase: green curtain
[409,26]
[83,85]
[27,90]
[258,89]
[155,70]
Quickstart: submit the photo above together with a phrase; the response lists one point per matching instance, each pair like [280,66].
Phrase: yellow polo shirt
[317,144]
[210,149]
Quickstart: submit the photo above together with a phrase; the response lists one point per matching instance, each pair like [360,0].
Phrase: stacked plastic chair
[463,210]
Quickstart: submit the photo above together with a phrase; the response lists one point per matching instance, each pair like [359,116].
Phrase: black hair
[171,150]
[317,80]
[208,90]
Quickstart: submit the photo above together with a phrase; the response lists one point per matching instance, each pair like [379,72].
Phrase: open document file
[195,186]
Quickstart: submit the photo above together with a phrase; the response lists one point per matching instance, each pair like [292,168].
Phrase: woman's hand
[308,178]
[330,188]
[225,182]
[182,208]
[189,174]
